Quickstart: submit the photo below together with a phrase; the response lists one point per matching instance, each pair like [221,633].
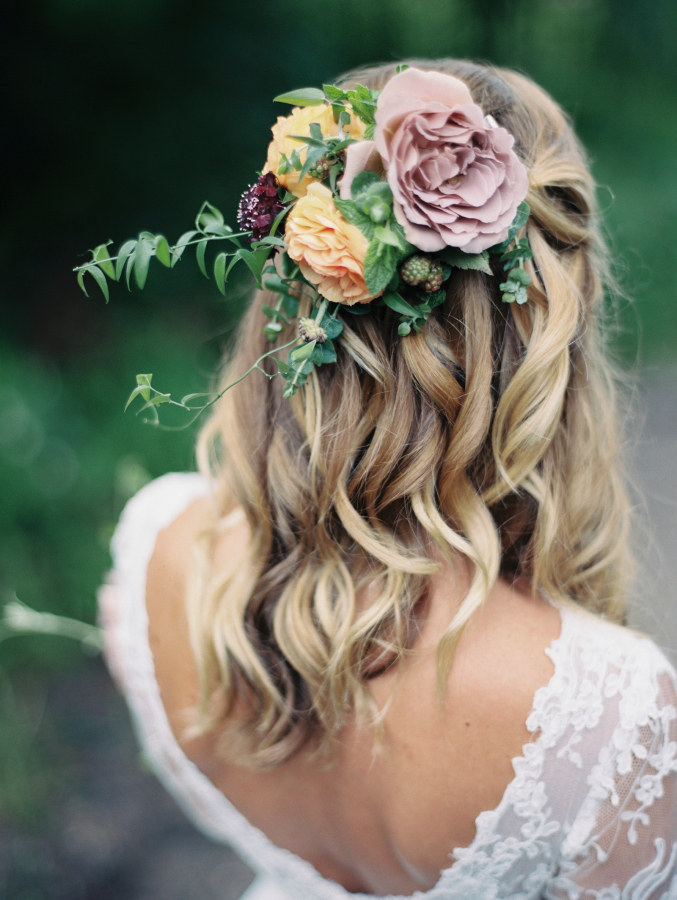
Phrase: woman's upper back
[588,802]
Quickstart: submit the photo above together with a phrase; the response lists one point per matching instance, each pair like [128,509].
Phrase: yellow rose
[299,122]
[330,252]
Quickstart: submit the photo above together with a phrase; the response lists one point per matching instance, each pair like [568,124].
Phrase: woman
[377,644]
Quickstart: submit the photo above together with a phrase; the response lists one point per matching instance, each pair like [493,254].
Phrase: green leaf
[200,250]
[369,131]
[130,266]
[125,250]
[100,279]
[102,257]
[316,357]
[218,229]
[220,272]
[313,155]
[362,182]
[283,367]
[143,387]
[332,326]
[81,282]
[269,242]
[401,68]
[208,215]
[275,284]
[396,303]
[290,305]
[157,400]
[255,260]
[460,260]
[310,141]
[380,263]
[162,251]
[333,93]
[142,257]
[180,246]
[275,314]
[301,97]
[387,236]
[343,120]
[328,352]
[316,131]
[278,218]
[302,353]
[295,160]
[522,216]
[520,276]
[354,216]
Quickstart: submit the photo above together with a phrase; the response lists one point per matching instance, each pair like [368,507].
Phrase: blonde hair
[492,436]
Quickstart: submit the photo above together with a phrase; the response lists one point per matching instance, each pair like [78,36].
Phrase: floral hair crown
[367,198]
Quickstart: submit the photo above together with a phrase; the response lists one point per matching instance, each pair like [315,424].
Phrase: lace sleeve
[624,844]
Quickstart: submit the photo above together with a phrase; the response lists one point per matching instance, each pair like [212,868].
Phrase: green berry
[415,269]
[435,277]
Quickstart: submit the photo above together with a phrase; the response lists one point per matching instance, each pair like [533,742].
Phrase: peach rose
[330,252]
[299,122]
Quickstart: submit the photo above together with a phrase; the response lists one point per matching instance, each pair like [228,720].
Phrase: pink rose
[455,178]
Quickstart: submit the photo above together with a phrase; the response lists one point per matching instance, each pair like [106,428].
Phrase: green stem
[219,395]
[215,237]
[321,310]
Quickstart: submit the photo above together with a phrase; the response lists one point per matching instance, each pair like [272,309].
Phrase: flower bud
[310,330]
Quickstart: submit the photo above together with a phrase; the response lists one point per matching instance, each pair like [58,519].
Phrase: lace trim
[519,845]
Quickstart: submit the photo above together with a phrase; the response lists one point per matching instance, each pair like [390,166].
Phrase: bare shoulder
[472,737]
[167,585]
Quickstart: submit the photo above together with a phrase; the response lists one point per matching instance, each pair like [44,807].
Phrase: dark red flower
[259,206]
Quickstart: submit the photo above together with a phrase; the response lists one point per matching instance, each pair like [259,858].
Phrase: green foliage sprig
[134,256]
[515,286]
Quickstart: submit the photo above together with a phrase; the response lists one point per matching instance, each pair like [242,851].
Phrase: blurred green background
[125,116]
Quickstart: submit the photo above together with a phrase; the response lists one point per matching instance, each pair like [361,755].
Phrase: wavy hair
[492,436]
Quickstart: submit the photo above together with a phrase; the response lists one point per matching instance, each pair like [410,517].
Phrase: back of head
[491,435]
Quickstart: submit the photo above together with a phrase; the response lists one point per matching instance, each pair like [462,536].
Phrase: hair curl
[492,436]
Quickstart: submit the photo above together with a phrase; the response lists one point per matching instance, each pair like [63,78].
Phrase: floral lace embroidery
[590,813]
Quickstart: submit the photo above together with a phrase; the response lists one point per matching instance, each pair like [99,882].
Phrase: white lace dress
[590,813]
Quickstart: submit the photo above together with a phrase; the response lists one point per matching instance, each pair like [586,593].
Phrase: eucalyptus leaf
[333,326]
[275,284]
[328,352]
[316,356]
[302,97]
